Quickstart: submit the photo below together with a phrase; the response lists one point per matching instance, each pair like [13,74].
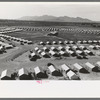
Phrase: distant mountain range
[55,19]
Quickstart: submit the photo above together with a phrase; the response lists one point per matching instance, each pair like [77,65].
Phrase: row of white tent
[56,42]
[67,47]
[9,30]
[39,73]
[78,54]
[59,51]
[89,42]
[61,29]
[69,42]
[40,29]
[15,39]
[5,45]
[83,31]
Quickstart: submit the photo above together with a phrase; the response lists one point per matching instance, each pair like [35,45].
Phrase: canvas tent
[79,52]
[61,48]
[98,63]
[52,53]
[54,48]
[39,73]
[23,74]
[89,41]
[72,76]
[36,48]
[45,49]
[45,55]
[54,42]
[91,67]
[6,75]
[79,68]
[62,53]
[84,41]
[54,71]
[65,42]
[79,42]
[42,43]
[98,46]
[94,41]
[65,68]
[67,47]
[33,56]
[82,47]
[39,51]
[60,42]
[74,47]
[88,52]
[72,53]
[71,42]
[48,43]
[91,46]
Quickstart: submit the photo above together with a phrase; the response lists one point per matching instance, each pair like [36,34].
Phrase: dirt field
[18,57]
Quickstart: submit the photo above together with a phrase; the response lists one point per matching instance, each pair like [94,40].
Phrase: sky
[15,10]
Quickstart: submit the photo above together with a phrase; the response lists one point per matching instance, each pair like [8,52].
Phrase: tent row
[39,73]
[53,52]
[61,49]
[9,30]
[61,29]
[56,42]
[89,42]
[69,42]
[79,31]
[95,47]
[5,45]
[15,39]
[40,29]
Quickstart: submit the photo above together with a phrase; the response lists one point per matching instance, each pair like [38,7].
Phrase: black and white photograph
[49,41]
